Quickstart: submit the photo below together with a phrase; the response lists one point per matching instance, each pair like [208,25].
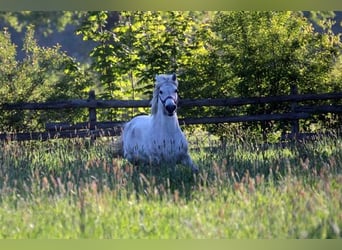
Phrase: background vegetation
[215,54]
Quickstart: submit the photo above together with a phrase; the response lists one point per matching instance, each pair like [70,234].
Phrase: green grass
[78,189]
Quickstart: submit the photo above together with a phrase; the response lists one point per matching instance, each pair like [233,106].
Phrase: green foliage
[265,53]
[274,50]
[221,54]
[320,18]
[45,74]
[139,46]
[46,21]
[215,55]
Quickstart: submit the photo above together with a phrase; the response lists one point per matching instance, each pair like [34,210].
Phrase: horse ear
[174,77]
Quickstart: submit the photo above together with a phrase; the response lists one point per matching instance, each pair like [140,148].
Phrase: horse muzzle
[171,108]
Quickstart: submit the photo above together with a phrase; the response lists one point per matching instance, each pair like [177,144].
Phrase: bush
[45,74]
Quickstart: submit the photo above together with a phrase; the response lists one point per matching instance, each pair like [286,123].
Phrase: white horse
[157,139]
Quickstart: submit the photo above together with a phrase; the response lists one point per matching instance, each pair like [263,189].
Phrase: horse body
[157,138]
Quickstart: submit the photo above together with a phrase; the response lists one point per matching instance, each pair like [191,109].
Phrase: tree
[45,74]
[46,22]
[138,46]
[51,27]
[266,53]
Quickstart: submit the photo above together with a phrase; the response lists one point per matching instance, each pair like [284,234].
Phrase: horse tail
[117,147]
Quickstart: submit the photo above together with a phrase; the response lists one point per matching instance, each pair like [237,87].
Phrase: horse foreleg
[187,161]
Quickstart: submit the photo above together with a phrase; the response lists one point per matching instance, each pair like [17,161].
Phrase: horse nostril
[170,108]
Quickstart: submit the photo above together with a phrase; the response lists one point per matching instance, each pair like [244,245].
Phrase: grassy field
[78,189]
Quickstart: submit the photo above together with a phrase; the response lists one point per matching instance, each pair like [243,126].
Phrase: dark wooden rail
[93,128]
[98,104]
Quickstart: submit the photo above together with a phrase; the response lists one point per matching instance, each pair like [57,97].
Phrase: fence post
[92,111]
[294,104]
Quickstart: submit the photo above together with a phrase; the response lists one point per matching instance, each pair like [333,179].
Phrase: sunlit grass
[245,189]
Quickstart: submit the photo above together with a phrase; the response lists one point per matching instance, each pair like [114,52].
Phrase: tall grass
[78,189]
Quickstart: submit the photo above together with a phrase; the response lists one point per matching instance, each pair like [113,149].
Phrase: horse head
[165,93]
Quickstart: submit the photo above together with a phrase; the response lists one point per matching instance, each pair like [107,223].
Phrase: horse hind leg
[117,147]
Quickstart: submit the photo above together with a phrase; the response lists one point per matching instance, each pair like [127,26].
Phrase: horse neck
[165,122]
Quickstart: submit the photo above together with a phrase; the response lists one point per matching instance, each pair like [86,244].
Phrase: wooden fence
[93,128]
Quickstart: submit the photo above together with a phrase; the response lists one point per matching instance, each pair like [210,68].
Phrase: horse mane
[160,80]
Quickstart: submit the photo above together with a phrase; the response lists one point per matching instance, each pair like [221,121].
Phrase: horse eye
[161,92]
[176,91]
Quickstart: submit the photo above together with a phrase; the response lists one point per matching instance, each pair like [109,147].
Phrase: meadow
[77,188]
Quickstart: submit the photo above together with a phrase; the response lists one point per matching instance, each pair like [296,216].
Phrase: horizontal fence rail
[98,104]
[93,128]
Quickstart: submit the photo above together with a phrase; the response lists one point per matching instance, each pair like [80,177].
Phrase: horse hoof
[195,170]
